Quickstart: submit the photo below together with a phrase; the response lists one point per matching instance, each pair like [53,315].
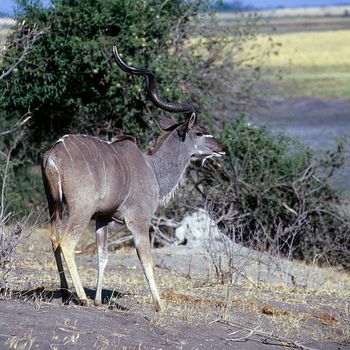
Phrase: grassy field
[313,58]
[313,64]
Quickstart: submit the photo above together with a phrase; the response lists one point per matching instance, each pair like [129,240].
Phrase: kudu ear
[192,120]
[187,125]
[167,124]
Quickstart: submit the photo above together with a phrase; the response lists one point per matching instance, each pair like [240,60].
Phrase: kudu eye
[199,134]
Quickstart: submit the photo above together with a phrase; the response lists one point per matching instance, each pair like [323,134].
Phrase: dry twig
[265,336]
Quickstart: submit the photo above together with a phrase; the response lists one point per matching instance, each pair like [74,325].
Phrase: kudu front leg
[143,248]
[102,252]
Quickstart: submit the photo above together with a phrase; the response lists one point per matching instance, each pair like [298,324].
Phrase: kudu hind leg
[51,185]
[143,248]
[68,243]
[102,252]
[56,225]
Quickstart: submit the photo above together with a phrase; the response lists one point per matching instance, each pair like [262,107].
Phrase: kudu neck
[169,163]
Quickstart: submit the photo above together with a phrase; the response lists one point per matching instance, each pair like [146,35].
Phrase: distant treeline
[238,6]
[235,6]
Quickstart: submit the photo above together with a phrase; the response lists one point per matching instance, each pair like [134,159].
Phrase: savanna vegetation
[270,193]
[277,192]
[313,63]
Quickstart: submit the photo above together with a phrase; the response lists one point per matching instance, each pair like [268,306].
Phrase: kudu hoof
[158,307]
[66,297]
[83,302]
[97,302]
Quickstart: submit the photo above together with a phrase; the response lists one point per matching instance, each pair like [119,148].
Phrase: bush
[70,84]
[278,195]
[69,80]
[276,191]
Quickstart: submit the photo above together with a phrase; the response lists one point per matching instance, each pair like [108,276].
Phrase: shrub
[276,195]
[69,80]
[276,191]
[70,84]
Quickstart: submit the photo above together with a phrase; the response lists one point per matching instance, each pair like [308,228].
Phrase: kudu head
[198,144]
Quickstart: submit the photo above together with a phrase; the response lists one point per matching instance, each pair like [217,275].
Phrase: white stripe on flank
[64,145]
[53,164]
[62,138]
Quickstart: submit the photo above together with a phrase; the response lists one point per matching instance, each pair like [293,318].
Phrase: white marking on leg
[148,270]
[101,239]
[102,263]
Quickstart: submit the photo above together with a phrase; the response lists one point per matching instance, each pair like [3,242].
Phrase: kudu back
[116,181]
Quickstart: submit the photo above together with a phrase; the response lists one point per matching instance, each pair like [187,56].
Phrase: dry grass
[317,311]
[303,63]
[313,59]
[282,313]
[313,64]
[25,342]
[311,50]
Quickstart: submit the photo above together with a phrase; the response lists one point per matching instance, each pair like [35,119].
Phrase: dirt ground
[262,309]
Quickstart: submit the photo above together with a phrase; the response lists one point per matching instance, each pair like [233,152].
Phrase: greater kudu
[116,181]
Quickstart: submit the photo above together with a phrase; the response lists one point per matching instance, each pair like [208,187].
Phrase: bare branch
[21,122]
[265,335]
[26,42]
[3,186]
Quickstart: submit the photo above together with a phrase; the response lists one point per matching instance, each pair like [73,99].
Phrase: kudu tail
[53,187]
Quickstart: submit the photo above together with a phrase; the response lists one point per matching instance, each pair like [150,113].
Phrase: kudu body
[117,182]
